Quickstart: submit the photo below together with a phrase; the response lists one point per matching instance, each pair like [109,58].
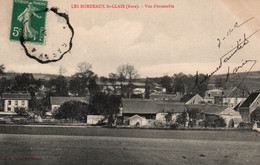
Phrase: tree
[220,122]
[80,81]
[72,110]
[167,83]
[2,69]
[84,67]
[39,106]
[26,83]
[193,114]
[112,78]
[147,88]
[127,72]
[107,105]
[181,119]
[60,85]
[93,87]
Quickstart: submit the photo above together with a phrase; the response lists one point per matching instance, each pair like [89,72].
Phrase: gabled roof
[213,109]
[16,96]
[235,93]
[141,106]
[187,97]
[61,100]
[172,97]
[251,98]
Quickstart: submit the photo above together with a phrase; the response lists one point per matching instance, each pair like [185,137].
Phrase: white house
[192,99]
[15,100]
[234,96]
[214,96]
[137,120]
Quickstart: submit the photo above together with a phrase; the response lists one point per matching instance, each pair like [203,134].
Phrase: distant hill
[37,76]
[251,80]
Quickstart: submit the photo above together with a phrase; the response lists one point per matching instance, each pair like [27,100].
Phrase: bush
[21,111]
[72,110]
[174,126]
[181,119]
[159,124]
[203,123]
[220,122]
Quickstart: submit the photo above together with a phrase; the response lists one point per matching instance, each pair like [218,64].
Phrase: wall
[13,105]
[94,119]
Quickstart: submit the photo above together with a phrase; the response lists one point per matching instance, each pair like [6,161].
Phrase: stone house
[10,101]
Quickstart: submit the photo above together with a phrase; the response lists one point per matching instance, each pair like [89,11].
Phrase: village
[124,102]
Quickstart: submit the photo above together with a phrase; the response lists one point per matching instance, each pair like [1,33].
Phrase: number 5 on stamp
[28,20]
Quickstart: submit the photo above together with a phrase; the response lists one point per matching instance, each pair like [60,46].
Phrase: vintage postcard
[176,82]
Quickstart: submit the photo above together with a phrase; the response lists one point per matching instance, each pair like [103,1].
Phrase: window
[23,102]
[8,109]
[9,102]
[16,102]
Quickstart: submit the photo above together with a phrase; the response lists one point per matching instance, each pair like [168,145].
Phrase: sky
[156,41]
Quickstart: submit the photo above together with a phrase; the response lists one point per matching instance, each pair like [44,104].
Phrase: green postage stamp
[28,21]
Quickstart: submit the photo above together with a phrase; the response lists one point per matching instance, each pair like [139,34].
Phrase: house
[249,106]
[137,120]
[213,96]
[10,101]
[56,102]
[233,96]
[150,109]
[232,118]
[192,99]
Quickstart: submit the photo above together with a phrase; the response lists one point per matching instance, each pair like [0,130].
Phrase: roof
[213,109]
[187,97]
[172,97]
[61,100]
[136,116]
[171,107]
[16,96]
[235,92]
[250,99]
[141,106]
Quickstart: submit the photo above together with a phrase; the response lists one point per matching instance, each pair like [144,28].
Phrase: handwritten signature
[227,56]
[229,32]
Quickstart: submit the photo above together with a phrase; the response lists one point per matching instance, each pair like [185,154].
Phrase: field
[81,145]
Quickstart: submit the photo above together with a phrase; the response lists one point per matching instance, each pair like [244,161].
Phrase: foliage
[60,86]
[39,106]
[127,72]
[21,111]
[93,87]
[2,69]
[25,83]
[220,122]
[167,83]
[104,104]
[147,88]
[181,119]
[168,117]
[73,110]
[83,81]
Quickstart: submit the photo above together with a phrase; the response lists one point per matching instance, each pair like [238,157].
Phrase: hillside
[251,80]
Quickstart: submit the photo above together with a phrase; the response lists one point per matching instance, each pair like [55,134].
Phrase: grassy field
[57,149]
[81,145]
